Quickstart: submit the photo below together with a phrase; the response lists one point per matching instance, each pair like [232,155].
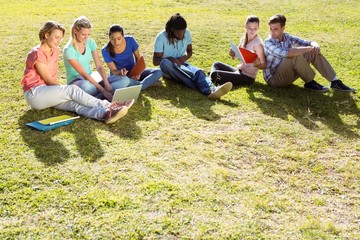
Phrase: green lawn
[261,163]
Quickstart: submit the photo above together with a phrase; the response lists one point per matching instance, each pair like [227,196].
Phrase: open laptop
[124,94]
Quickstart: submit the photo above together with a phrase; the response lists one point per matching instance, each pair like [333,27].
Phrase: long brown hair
[109,47]
[249,19]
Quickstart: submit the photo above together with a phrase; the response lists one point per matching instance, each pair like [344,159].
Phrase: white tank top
[249,69]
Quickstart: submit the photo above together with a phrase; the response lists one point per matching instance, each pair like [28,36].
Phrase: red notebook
[138,67]
[244,55]
[248,56]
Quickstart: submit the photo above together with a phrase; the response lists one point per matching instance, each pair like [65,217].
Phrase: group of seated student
[282,57]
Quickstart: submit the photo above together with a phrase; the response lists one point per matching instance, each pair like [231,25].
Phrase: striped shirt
[275,51]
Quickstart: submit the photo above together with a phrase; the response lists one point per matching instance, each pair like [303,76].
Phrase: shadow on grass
[181,96]
[307,107]
[51,151]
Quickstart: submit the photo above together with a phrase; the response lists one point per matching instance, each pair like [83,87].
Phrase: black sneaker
[339,86]
[315,86]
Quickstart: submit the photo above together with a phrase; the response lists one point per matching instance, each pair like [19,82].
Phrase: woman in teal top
[78,53]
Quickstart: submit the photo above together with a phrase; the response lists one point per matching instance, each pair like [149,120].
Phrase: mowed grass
[261,163]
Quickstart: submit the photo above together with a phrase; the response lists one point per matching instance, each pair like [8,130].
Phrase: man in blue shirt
[289,57]
[172,49]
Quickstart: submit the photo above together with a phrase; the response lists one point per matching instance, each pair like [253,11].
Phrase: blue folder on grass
[51,123]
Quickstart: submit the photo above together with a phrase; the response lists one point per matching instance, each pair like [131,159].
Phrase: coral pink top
[31,77]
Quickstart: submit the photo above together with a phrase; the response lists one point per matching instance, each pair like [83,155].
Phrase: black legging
[222,73]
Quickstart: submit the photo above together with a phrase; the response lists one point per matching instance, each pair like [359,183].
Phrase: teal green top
[70,52]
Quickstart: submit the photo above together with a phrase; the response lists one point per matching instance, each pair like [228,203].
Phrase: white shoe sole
[342,90]
[221,91]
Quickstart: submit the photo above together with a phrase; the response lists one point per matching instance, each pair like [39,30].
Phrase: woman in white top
[243,74]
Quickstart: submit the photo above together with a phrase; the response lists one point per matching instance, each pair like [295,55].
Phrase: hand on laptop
[108,95]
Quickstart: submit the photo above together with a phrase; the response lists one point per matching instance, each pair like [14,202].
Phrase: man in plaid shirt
[289,57]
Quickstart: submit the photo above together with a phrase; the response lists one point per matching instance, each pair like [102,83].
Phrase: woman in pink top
[243,74]
[42,88]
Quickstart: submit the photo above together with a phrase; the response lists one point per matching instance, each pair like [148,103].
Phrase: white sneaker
[221,90]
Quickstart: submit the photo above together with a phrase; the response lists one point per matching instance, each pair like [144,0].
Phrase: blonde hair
[79,23]
[48,27]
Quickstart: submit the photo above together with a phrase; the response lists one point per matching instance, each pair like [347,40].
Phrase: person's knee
[72,87]
[158,73]
[215,64]
[69,88]
[166,64]
[88,87]
[298,60]
[119,81]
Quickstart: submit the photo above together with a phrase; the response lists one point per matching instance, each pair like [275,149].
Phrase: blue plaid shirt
[276,51]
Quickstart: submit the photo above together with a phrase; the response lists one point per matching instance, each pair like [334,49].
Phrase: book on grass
[52,123]
[138,68]
[58,119]
[244,55]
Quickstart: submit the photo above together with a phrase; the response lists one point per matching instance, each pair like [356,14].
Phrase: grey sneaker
[339,86]
[217,92]
[315,86]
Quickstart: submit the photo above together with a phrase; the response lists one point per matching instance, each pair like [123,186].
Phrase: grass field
[261,163]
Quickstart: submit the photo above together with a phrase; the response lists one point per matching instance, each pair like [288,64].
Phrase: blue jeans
[147,78]
[200,81]
[119,82]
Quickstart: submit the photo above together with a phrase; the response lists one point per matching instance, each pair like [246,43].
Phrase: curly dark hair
[176,22]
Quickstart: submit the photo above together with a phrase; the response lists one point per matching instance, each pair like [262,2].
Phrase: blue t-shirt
[70,52]
[176,50]
[124,59]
